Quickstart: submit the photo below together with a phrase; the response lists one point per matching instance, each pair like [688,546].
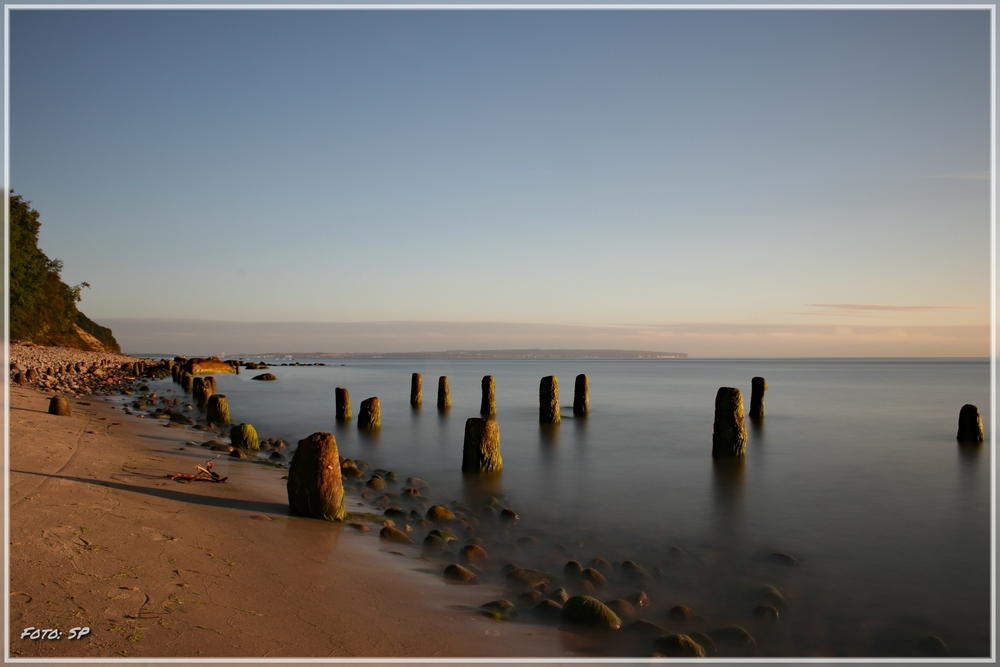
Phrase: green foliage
[43,307]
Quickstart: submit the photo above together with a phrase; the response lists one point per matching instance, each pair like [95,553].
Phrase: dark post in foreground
[481,452]
[444,396]
[343,404]
[416,390]
[729,436]
[369,416]
[970,425]
[581,396]
[758,386]
[489,405]
[58,405]
[218,409]
[314,485]
[548,400]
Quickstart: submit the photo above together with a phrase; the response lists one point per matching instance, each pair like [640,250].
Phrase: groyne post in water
[369,416]
[970,425]
[187,381]
[481,452]
[198,391]
[758,386]
[444,396]
[729,435]
[315,487]
[489,404]
[416,390]
[58,405]
[244,436]
[218,409]
[548,400]
[581,396]
[343,404]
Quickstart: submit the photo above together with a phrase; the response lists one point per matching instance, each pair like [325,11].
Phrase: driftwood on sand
[204,475]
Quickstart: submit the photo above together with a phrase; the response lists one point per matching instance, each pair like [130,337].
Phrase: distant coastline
[470,354]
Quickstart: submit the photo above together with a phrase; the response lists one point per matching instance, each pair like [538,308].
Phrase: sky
[724,183]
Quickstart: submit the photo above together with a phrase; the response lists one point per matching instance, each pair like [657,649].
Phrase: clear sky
[717,182]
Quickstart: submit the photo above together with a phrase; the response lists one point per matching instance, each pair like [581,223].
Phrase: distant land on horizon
[463,354]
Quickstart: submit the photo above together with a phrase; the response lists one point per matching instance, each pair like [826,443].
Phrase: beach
[101,538]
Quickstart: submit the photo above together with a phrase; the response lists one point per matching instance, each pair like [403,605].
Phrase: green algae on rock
[589,611]
[315,488]
[244,436]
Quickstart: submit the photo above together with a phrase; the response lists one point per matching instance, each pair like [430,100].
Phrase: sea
[854,473]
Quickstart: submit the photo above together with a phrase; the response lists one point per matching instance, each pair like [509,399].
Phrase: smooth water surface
[854,471]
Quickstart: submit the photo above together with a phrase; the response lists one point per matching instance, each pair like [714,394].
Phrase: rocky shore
[69,371]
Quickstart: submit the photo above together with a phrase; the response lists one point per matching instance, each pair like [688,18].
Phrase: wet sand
[156,568]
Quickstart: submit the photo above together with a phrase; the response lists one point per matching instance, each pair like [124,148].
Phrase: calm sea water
[855,472]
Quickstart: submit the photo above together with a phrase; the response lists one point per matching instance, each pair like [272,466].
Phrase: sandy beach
[156,568]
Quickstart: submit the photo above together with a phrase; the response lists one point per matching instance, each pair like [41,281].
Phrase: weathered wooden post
[729,435]
[581,396]
[218,409]
[489,405]
[444,396]
[343,404]
[369,416]
[20,378]
[198,390]
[315,487]
[481,452]
[970,425]
[187,381]
[58,405]
[210,383]
[758,387]
[416,390]
[548,400]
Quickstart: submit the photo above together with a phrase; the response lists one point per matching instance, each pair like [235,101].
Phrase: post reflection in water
[477,487]
[549,435]
[969,456]
[727,494]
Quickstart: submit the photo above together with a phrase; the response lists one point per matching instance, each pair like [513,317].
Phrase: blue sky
[723,171]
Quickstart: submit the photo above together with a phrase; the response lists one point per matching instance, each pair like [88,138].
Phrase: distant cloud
[866,307]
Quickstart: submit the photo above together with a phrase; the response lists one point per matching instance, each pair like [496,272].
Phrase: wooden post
[444,396]
[416,390]
[481,452]
[369,415]
[581,396]
[758,387]
[343,404]
[489,405]
[548,400]
[729,435]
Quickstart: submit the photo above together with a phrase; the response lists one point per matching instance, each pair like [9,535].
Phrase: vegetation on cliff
[42,307]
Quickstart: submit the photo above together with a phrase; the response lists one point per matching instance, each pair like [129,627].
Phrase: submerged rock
[643,628]
[390,534]
[766,613]
[266,377]
[456,572]
[547,611]
[472,553]
[440,513]
[678,646]
[734,638]
[623,609]
[500,610]
[705,641]
[591,612]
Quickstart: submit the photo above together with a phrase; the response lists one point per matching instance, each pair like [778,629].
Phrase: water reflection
[549,435]
[727,493]
[368,436]
[477,487]
[968,462]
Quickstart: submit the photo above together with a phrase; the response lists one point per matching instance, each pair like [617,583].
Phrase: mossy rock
[499,610]
[573,571]
[547,611]
[394,513]
[594,577]
[678,646]
[390,534]
[376,483]
[769,595]
[472,553]
[434,545]
[179,418]
[682,614]
[639,599]
[266,377]
[440,513]
[443,534]
[526,577]
[219,447]
[315,487]
[559,595]
[591,612]
[705,641]
[456,572]
[244,436]
[352,471]
[643,629]
[734,638]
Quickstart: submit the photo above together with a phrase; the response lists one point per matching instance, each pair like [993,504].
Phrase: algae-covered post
[481,452]
[416,390]
[758,387]
[729,435]
[581,396]
[187,381]
[489,404]
[198,391]
[315,488]
[343,404]
[244,436]
[444,396]
[369,416]
[58,405]
[548,400]
[218,409]
[970,425]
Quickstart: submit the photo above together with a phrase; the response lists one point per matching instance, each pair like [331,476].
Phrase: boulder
[591,612]
[266,377]
[456,572]
[678,646]
[391,534]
